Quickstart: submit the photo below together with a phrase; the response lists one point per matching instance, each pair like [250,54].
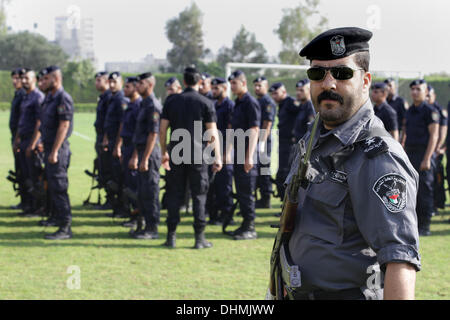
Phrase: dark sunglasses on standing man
[338,73]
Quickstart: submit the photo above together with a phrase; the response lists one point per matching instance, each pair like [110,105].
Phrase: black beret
[337,43]
[417,82]
[114,75]
[301,83]
[143,76]
[131,80]
[379,85]
[170,81]
[100,74]
[430,88]
[259,79]
[235,74]
[205,75]
[217,81]
[275,86]
[49,70]
[389,80]
[18,71]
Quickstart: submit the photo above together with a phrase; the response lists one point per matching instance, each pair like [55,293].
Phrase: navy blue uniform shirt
[15,110]
[114,114]
[102,107]
[417,121]
[224,112]
[268,111]
[388,115]
[57,107]
[147,120]
[305,115]
[183,110]
[398,103]
[129,118]
[30,112]
[287,114]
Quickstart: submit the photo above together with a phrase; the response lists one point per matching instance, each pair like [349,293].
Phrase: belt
[347,294]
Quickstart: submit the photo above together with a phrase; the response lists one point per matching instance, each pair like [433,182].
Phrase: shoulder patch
[445,113]
[269,108]
[297,103]
[435,116]
[374,146]
[155,116]
[124,106]
[391,190]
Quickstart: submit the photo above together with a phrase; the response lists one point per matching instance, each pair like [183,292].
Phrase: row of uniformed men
[128,122]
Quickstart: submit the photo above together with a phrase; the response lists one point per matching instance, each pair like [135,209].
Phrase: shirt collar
[348,132]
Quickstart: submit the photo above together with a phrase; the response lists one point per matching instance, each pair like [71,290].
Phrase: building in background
[76,37]
[149,63]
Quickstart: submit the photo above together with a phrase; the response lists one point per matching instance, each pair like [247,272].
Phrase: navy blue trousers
[148,189]
[245,190]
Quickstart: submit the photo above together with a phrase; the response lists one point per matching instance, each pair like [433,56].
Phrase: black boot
[64,232]
[50,222]
[171,239]
[150,232]
[263,203]
[201,242]
[132,223]
[139,227]
[246,231]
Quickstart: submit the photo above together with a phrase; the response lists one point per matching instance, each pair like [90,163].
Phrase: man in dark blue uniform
[124,148]
[205,86]
[113,122]
[146,157]
[189,114]
[222,186]
[268,111]
[26,141]
[172,86]
[14,115]
[306,113]
[420,139]
[439,188]
[102,86]
[288,109]
[245,123]
[56,127]
[399,104]
[385,112]
[355,220]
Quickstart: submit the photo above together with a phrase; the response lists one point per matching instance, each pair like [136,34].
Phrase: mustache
[330,95]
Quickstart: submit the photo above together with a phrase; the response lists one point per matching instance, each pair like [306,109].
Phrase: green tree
[297,28]
[3,26]
[185,33]
[245,48]
[81,72]
[25,49]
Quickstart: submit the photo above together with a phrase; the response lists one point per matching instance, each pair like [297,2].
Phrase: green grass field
[113,266]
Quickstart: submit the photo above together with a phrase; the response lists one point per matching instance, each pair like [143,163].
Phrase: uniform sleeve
[384,205]
[444,117]
[392,120]
[153,119]
[65,109]
[230,109]
[292,106]
[254,114]
[267,110]
[37,106]
[209,112]
[432,116]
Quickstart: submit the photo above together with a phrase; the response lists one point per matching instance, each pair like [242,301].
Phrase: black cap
[417,82]
[131,80]
[259,79]
[143,76]
[170,81]
[389,80]
[205,75]
[217,81]
[379,85]
[275,86]
[49,70]
[191,69]
[18,71]
[301,83]
[235,74]
[430,88]
[100,74]
[337,43]
[114,75]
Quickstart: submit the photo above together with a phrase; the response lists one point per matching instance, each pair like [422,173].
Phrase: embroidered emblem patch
[61,109]
[391,189]
[297,103]
[338,176]
[269,109]
[374,146]
[155,116]
[124,106]
[435,116]
[337,45]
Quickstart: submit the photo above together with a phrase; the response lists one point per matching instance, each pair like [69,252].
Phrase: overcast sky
[409,35]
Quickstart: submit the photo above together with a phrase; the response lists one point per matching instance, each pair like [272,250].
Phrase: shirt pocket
[322,214]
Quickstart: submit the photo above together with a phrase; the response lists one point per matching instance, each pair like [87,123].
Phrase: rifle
[287,220]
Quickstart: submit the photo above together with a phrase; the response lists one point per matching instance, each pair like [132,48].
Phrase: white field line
[82,136]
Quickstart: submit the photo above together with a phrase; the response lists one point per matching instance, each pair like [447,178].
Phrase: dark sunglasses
[339,73]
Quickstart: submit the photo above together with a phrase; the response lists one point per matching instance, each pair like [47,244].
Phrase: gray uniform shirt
[362,215]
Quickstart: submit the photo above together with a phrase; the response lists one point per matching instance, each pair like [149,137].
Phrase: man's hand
[217,166]
[117,153]
[143,166]
[53,157]
[248,165]
[133,163]
[165,161]
[425,165]
[105,143]
[29,151]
